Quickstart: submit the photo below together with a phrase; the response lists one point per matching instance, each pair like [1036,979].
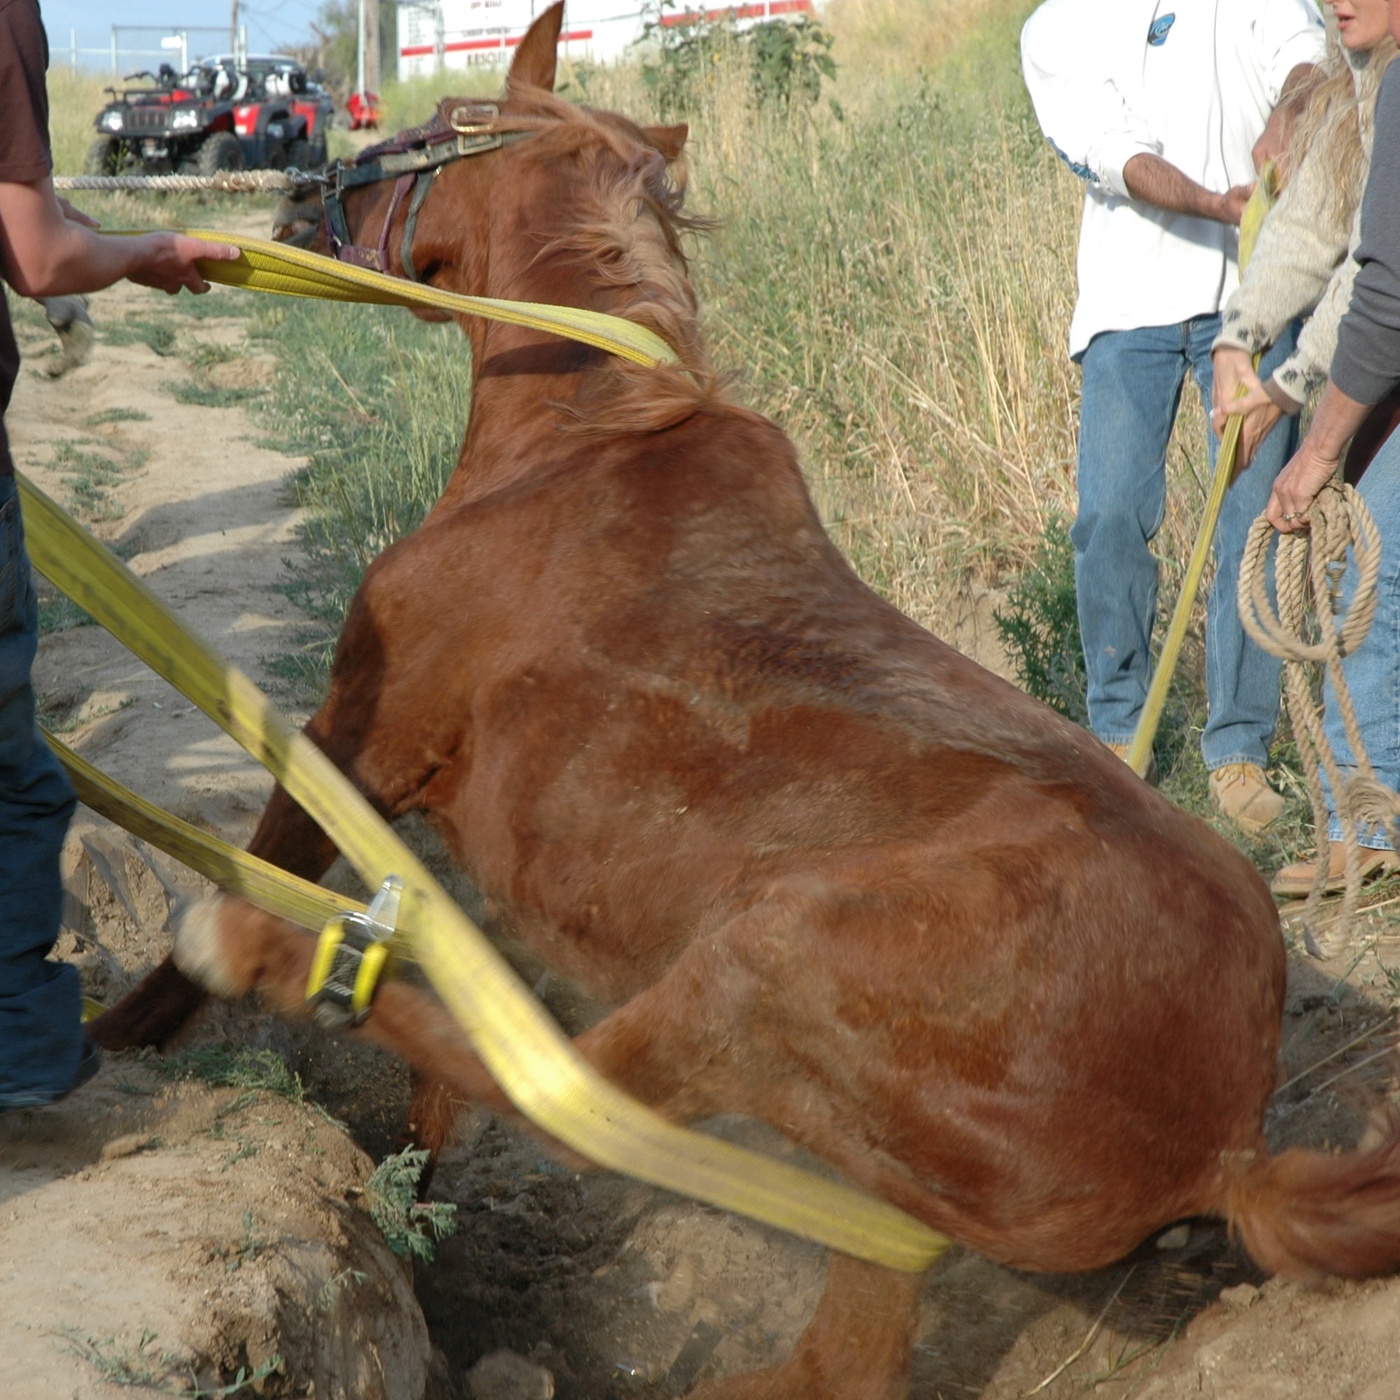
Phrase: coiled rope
[1311,631]
[289,181]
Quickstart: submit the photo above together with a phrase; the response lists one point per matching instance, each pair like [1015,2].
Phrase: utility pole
[372,46]
[360,52]
[233,29]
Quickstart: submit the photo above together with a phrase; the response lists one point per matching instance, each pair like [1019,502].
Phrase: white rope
[225,182]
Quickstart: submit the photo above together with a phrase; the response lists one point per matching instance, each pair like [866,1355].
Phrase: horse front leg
[165,1000]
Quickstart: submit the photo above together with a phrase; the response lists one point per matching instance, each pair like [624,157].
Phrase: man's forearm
[1153,180]
[47,254]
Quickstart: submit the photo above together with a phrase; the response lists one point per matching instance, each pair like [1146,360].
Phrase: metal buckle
[472,123]
[350,959]
[472,118]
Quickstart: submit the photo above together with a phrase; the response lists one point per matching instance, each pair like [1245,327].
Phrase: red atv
[221,115]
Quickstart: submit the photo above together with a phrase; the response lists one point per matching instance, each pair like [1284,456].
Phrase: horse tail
[1307,1215]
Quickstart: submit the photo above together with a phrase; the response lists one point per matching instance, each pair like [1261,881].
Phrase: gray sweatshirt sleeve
[1367,363]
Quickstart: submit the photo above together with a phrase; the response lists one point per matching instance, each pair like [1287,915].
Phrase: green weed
[379,420]
[143,1368]
[236,1068]
[1039,626]
[116,415]
[411,1227]
[89,476]
[337,1284]
[123,1365]
[156,335]
[204,395]
[59,613]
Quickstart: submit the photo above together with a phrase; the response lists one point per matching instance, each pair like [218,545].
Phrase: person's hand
[1232,204]
[76,215]
[1298,484]
[1260,416]
[170,261]
[1233,371]
[1232,368]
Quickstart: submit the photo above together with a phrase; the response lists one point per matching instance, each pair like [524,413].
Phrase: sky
[273,25]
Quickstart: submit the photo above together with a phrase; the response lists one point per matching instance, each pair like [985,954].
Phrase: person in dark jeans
[47,249]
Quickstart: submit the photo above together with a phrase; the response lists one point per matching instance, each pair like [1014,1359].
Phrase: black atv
[216,117]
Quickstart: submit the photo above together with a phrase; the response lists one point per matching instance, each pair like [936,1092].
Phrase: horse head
[529,197]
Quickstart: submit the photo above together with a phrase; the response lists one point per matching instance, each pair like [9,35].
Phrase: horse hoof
[199,953]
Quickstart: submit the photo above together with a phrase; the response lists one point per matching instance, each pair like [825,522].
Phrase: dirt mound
[168,1234]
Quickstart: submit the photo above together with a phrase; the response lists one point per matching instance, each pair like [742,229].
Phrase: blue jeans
[41,1039]
[1131,391]
[1372,671]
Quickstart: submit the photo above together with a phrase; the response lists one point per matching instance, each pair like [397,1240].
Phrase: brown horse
[827,871]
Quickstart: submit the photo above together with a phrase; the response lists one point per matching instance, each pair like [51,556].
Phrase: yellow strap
[1139,755]
[266,266]
[536,1066]
[288,896]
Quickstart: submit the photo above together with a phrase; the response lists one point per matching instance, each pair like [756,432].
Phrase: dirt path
[177,1226]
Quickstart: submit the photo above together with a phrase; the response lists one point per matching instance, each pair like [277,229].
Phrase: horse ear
[669,140]
[538,52]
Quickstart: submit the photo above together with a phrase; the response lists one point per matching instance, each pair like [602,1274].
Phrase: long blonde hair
[1340,112]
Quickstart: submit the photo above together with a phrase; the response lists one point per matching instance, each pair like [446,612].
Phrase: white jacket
[1192,81]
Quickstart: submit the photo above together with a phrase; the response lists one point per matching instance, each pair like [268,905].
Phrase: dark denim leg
[41,1041]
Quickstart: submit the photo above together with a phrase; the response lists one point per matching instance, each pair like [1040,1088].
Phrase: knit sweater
[1302,261]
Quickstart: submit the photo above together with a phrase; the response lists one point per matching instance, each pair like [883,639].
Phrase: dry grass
[894,285]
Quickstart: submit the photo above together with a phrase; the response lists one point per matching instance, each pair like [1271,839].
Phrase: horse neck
[528,385]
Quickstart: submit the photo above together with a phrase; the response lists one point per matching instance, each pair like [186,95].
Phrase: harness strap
[471,129]
[423,183]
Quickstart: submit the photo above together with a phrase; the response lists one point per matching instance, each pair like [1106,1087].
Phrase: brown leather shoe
[1296,881]
[1242,793]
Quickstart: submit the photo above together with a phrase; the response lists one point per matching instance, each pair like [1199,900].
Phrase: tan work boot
[1243,793]
[1296,881]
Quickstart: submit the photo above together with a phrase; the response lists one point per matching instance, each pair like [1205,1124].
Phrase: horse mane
[630,237]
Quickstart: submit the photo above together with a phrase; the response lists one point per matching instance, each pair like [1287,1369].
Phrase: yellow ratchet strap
[352,954]
[288,896]
[1139,755]
[266,266]
[537,1067]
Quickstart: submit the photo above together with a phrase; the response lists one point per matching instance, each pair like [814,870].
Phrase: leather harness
[412,160]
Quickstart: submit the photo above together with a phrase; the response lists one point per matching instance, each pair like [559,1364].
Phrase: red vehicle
[224,114]
[363,110]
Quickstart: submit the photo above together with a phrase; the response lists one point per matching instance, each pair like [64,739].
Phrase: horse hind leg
[858,1345]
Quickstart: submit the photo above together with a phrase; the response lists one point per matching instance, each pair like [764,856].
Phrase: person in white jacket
[1165,111]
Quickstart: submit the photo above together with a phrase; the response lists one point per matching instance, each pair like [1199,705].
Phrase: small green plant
[59,613]
[1039,626]
[241,1068]
[205,395]
[89,476]
[116,415]
[790,58]
[787,59]
[155,335]
[337,1284]
[123,1365]
[412,1227]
